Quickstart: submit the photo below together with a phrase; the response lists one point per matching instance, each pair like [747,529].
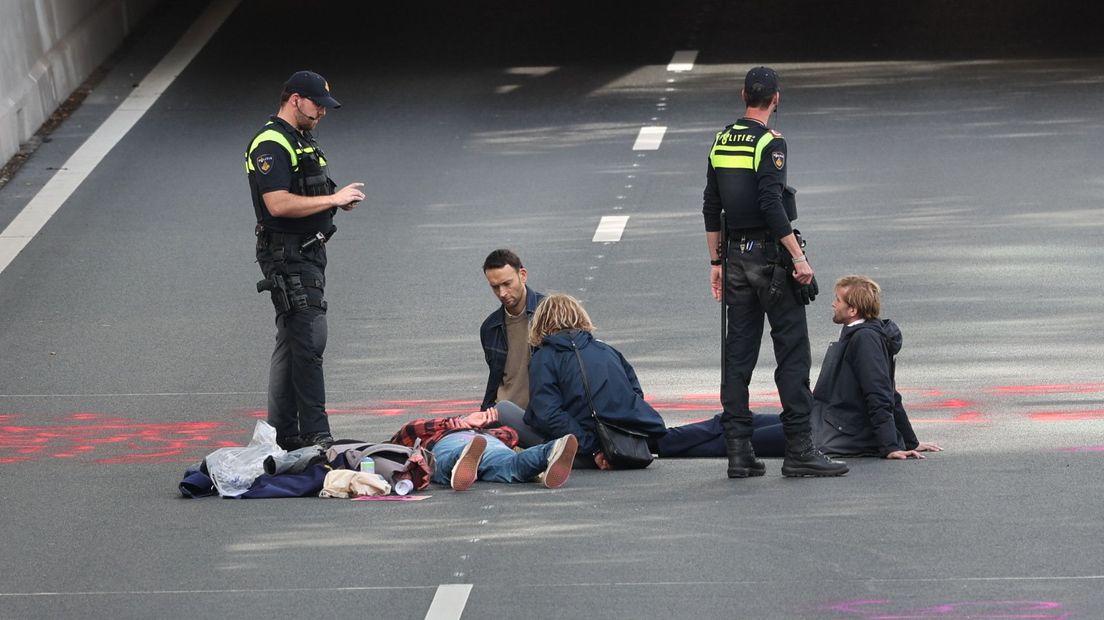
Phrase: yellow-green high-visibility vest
[737,156]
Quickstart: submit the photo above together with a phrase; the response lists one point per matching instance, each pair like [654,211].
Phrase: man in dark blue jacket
[505,333]
[857,409]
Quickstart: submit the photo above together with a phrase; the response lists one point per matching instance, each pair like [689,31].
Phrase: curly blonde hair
[558,312]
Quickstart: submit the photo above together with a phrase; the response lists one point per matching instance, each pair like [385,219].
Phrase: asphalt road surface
[953,153]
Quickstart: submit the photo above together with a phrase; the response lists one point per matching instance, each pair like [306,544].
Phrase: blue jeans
[499,464]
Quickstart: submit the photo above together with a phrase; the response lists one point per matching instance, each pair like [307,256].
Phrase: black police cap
[312,86]
[761,81]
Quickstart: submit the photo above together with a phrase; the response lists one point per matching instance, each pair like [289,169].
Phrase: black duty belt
[303,240]
[753,234]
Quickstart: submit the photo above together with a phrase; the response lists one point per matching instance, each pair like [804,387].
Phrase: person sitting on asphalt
[504,336]
[505,332]
[477,446]
[857,409]
[558,403]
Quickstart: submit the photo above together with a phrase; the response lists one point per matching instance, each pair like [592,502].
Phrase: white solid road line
[449,601]
[68,178]
[610,228]
[649,138]
[683,60]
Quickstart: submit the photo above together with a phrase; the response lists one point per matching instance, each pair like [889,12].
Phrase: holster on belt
[277,285]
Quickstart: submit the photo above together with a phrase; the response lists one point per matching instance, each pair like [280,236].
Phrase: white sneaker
[560,460]
[466,469]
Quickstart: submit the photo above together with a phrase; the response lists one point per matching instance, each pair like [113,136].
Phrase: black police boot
[805,459]
[290,443]
[741,459]
[322,440]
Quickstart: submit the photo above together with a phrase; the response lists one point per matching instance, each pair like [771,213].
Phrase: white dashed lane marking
[610,228]
[649,138]
[449,601]
[683,60]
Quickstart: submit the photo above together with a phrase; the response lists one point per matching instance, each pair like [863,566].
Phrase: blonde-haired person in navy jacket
[857,409]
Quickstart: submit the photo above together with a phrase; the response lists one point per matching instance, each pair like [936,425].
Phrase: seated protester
[477,447]
[505,332]
[857,409]
[705,439]
[558,403]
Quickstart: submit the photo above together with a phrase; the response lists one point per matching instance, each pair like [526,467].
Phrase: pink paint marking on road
[1050,388]
[1066,416]
[849,607]
[1083,449]
[949,403]
[966,417]
[112,439]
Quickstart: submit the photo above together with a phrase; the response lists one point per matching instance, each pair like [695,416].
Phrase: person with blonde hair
[857,410]
[558,403]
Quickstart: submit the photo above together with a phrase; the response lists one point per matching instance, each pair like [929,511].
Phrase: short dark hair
[760,86]
[500,258]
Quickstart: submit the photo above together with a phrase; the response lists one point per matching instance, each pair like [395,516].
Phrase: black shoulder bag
[624,448]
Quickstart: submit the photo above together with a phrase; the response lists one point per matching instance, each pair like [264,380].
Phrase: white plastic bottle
[403,486]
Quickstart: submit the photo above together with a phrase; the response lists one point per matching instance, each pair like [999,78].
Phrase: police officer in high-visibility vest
[765,273]
[294,201]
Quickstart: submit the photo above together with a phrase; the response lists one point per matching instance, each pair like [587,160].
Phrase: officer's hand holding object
[808,292]
[349,197]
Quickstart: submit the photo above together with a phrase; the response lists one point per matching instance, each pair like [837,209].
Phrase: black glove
[806,293]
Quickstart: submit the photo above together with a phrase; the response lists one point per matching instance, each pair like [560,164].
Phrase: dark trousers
[296,387]
[746,294]
[706,439]
[513,416]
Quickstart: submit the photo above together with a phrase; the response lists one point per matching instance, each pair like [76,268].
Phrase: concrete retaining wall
[47,48]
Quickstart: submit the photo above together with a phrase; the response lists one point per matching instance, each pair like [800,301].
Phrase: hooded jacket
[857,409]
[557,398]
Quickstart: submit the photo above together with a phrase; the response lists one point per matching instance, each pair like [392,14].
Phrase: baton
[723,253]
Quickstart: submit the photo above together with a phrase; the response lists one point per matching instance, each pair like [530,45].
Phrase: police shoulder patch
[779,159]
[264,163]
[775,133]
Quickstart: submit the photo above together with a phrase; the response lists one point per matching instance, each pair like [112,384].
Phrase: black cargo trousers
[749,274]
[296,388]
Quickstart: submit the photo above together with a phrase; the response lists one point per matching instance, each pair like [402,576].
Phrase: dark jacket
[557,399]
[493,336]
[857,409]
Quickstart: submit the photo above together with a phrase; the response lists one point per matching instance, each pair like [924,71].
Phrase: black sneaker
[810,461]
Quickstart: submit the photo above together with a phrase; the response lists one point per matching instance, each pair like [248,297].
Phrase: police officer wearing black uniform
[294,201]
[765,272]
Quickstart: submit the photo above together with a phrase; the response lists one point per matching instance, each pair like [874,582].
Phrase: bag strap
[586,384]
